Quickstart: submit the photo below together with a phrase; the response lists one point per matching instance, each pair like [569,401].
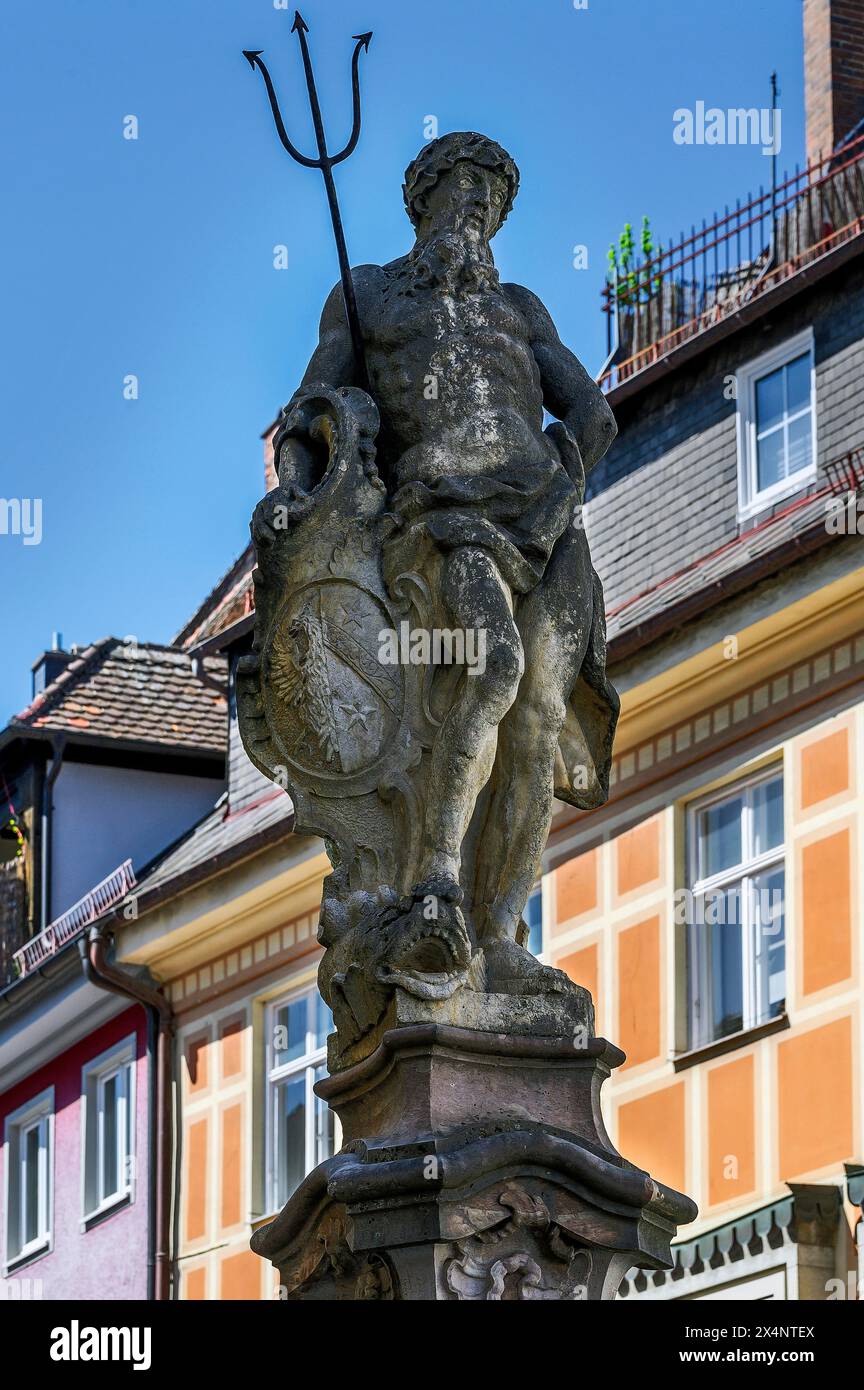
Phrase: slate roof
[140,693]
[764,549]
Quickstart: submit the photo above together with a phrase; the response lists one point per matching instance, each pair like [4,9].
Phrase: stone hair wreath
[440,155]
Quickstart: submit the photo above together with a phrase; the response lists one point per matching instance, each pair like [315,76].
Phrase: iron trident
[325,163]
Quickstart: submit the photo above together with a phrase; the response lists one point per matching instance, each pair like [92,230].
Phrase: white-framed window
[736,947]
[300,1126]
[776,424]
[108,1128]
[29,1169]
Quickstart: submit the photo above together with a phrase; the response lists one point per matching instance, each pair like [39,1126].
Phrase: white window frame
[754,957]
[750,499]
[276,1074]
[38,1112]
[119,1061]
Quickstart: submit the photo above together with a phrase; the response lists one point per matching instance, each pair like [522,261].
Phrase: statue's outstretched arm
[568,390]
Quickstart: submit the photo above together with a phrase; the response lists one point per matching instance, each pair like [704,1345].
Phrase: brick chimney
[47,667]
[833,72]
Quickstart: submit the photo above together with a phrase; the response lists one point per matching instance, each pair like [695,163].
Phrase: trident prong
[254,60]
[325,163]
[362,42]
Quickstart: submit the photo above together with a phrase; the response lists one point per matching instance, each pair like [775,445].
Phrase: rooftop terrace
[669,297]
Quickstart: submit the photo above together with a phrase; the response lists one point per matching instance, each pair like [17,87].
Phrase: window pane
[767,815]
[770,461]
[31,1185]
[110,1176]
[798,383]
[720,907]
[720,837]
[716,987]
[290,1032]
[126,1150]
[768,894]
[769,400]
[727,981]
[776,978]
[693,983]
[290,1110]
[323,1021]
[534,920]
[324,1127]
[800,444]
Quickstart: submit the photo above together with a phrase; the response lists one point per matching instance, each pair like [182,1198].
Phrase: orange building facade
[713,907]
[237,957]
[774,1098]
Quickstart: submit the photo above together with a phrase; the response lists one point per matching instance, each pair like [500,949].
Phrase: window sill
[114,1204]
[257,1221]
[27,1257]
[763,502]
[730,1043]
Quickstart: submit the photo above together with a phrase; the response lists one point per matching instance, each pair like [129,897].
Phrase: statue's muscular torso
[454,378]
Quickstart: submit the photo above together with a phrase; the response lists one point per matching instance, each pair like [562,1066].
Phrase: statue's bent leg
[474,597]
[555,623]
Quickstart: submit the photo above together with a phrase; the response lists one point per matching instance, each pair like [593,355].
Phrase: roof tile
[146,693]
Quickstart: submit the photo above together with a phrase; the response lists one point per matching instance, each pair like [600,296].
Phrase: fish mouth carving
[427,958]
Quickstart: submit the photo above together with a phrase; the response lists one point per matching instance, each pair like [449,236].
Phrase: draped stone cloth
[519,514]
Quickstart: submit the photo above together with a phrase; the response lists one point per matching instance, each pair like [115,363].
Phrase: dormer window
[776,425]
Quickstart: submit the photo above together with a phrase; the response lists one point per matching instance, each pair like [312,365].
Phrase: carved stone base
[568,1015]
[475,1165]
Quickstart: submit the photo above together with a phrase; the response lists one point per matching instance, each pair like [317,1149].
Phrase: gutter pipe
[92,947]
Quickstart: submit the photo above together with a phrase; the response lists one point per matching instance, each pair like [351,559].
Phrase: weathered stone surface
[568,1015]
[475,1166]
[439,521]
[428,673]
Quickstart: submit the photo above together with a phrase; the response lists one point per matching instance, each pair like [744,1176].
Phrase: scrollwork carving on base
[524,1256]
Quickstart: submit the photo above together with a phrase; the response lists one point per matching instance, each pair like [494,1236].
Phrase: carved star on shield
[349,617]
[356,713]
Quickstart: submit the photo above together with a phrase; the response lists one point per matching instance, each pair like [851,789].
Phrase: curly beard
[450,262]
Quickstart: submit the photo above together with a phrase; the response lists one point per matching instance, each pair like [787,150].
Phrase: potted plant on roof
[635,290]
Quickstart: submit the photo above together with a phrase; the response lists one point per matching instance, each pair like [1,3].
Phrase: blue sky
[154,257]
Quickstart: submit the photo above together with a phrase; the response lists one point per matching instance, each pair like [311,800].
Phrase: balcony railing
[107,894]
[846,474]
[655,304]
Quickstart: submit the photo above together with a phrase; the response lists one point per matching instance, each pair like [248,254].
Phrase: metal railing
[655,304]
[107,894]
[846,474]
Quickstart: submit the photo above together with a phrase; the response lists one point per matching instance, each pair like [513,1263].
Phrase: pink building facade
[74,1166]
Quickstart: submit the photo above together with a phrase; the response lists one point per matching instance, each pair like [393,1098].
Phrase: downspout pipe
[58,745]
[93,949]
